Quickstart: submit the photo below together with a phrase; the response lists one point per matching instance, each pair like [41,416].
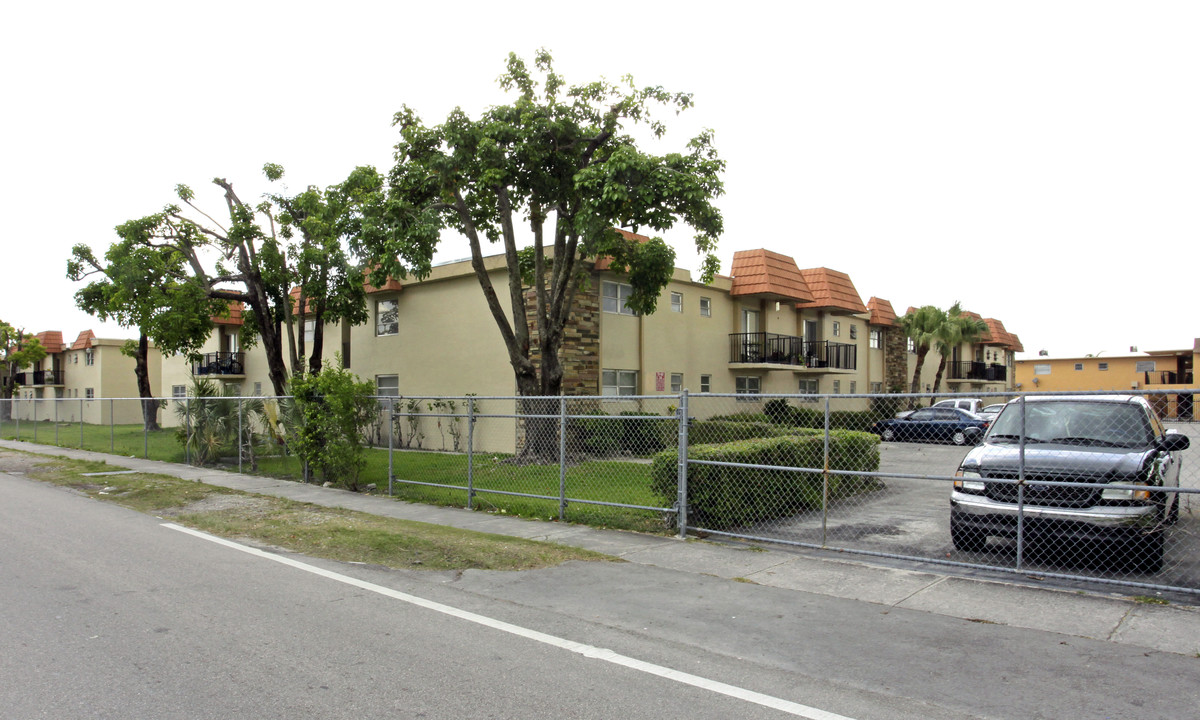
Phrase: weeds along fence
[827,472]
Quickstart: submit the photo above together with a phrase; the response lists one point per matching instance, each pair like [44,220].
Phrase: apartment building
[84,377]
[1171,373]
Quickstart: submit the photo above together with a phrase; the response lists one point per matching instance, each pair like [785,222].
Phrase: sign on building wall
[660,381]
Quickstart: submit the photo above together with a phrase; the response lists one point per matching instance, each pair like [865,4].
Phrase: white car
[971,405]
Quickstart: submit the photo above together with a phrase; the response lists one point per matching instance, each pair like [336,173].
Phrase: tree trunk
[141,369]
[916,380]
[937,379]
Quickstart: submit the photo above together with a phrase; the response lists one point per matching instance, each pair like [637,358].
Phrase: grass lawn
[603,481]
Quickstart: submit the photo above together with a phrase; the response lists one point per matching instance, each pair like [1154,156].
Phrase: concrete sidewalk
[1169,628]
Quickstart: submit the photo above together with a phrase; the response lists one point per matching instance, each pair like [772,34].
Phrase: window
[876,388]
[810,386]
[615,295]
[853,386]
[89,393]
[748,385]
[387,317]
[705,383]
[837,328]
[179,391]
[912,346]
[258,388]
[1078,366]
[310,330]
[387,385]
[853,331]
[676,382]
[837,387]
[705,307]
[1145,366]
[1041,369]
[876,340]
[677,302]
[89,357]
[1103,366]
[618,382]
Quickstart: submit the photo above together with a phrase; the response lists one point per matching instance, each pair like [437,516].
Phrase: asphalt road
[911,517]
[111,614]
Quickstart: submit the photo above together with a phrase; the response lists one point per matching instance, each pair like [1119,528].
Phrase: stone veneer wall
[580,351]
[895,360]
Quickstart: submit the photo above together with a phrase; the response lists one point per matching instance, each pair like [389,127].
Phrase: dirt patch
[219,502]
[19,462]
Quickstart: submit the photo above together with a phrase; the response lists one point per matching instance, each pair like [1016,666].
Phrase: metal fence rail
[1070,492]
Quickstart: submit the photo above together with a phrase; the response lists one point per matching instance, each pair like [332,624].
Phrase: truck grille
[1046,495]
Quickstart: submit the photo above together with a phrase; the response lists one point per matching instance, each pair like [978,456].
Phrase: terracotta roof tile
[235,315]
[762,272]
[881,311]
[51,340]
[604,263]
[84,341]
[832,289]
[1016,343]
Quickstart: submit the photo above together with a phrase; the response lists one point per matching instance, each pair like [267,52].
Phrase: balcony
[772,349]
[976,372]
[220,363]
[1166,377]
[40,377]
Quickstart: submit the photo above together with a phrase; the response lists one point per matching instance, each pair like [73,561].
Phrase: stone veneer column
[895,360]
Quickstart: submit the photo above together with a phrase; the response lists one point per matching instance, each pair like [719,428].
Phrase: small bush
[722,498]
[333,408]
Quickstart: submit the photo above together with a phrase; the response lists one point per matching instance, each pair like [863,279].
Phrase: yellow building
[1167,374]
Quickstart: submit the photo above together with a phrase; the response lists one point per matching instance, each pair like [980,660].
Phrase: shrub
[333,408]
[722,498]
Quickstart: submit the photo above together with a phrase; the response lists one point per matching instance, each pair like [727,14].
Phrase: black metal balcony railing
[1166,377]
[986,372]
[771,348]
[40,377]
[221,363]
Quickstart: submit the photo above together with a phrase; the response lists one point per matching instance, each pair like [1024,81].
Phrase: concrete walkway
[1171,628]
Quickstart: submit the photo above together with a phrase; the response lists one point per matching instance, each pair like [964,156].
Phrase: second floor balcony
[1166,377]
[40,377]
[763,348]
[976,372]
[220,363]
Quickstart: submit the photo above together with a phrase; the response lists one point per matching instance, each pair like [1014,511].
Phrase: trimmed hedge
[723,498]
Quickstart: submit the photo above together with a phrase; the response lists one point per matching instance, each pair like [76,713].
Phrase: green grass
[605,481]
[313,530]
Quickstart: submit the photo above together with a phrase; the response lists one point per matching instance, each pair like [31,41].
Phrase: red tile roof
[1016,343]
[84,341]
[832,289]
[51,340]
[881,311]
[766,273]
[235,315]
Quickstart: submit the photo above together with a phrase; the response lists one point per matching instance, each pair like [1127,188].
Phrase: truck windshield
[1075,422]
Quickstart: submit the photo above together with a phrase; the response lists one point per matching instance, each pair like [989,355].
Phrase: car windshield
[1075,422]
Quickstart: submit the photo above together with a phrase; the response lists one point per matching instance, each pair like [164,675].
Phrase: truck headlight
[1129,494]
[969,481]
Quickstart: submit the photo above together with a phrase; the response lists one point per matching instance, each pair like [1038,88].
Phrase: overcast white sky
[1039,161]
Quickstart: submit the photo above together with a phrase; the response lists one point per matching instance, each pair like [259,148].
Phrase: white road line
[588,651]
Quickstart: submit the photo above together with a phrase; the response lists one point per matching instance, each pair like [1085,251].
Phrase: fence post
[1021,488]
[391,431]
[825,480]
[80,423]
[187,446]
[470,453]
[241,447]
[681,478]
[56,419]
[112,428]
[562,458]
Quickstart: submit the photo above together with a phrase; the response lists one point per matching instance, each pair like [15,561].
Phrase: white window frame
[1078,366]
[89,393]
[837,387]
[677,302]
[387,326]
[386,383]
[614,296]
[912,346]
[179,391]
[876,339]
[1102,366]
[705,383]
[853,331]
[876,388]
[676,382]
[837,328]
[705,307]
[616,383]
[853,387]
[310,330]
[89,357]
[748,385]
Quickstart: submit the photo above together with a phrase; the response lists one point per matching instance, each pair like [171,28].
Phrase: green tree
[333,410]
[958,328]
[138,287]
[18,349]
[262,273]
[922,326]
[557,160]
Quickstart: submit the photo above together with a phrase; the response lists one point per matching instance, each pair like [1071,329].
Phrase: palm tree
[958,328]
[921,326]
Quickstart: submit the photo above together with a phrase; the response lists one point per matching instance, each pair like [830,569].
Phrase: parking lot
[910,517]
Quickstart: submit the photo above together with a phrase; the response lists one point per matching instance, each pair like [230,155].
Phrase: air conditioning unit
[1133,385]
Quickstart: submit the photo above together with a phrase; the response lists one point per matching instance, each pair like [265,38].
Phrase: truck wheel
[967,539]
[1147,553]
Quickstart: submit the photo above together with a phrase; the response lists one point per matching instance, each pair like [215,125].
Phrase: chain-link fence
[1098,487]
